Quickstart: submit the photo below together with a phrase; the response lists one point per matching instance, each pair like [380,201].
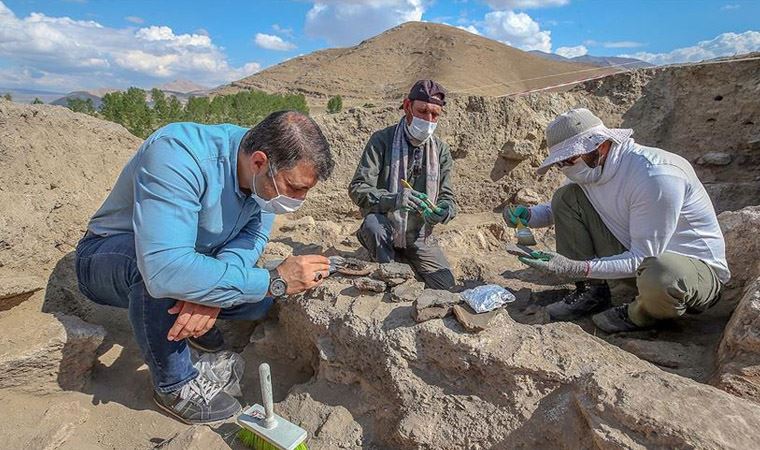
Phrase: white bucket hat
[575,133]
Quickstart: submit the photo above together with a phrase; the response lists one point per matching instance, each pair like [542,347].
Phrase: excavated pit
[355,368]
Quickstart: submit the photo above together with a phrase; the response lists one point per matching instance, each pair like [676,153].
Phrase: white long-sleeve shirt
[652,202]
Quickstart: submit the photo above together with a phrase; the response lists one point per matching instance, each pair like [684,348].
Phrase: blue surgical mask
[280,204]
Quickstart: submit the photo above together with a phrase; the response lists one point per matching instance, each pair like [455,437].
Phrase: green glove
[438,215]
[410,200]
[554,263]
[521,213]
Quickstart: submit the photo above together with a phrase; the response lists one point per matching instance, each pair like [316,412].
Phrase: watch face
[278,287]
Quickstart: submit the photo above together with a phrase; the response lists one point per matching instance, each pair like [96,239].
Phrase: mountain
[599,61]
[84,95]
[182,87]
[28,95]
[385,66]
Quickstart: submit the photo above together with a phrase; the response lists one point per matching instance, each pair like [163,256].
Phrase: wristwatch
[277,285]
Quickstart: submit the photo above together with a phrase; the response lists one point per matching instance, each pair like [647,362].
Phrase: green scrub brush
[265,430]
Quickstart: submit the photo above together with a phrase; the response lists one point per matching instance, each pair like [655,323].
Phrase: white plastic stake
[265,378]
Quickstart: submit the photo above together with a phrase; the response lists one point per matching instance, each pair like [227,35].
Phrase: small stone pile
[399,280]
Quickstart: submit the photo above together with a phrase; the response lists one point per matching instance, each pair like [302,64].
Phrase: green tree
[160,108]
[335,104]
[37,101]
[176,111]
[80,105]
[8,96]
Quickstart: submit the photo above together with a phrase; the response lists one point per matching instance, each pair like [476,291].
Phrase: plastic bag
[225,368]
[487,297]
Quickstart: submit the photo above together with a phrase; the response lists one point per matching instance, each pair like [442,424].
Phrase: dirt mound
[56,166]
[385,66]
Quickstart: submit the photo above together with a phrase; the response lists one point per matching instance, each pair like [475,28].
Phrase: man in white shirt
[629,212]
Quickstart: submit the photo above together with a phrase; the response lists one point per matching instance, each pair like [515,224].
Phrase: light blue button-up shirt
[197,236]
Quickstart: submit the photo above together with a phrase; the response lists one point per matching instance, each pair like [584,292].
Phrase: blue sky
[65,45]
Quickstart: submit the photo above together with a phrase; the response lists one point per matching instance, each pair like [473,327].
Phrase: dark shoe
[586,299]
[199,401]
[211,342]
[615,320]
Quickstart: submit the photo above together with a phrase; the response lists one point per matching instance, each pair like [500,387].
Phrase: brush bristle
[256,442]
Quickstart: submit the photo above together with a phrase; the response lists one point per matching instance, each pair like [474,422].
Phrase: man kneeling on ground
[398,219]
[630,213]
[177,239]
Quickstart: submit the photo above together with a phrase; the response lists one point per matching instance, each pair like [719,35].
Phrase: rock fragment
[14,290]
[394,273]
[472,321]
[369,284]
[527,196]
[715,159]
[434,304]
[56,352]
[197,437]
[517,150]
[408,291]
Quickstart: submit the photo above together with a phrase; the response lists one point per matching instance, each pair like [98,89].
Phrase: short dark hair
[287,137]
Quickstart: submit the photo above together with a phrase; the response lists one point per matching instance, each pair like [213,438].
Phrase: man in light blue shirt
[177,240]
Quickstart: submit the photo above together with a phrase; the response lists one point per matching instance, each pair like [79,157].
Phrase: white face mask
[279,204]
[421,129]
[581,173]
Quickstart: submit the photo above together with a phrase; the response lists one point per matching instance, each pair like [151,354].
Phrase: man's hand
[411,200]
[521,213]
[438,215]
[303,272]
[193,320]
[554,263]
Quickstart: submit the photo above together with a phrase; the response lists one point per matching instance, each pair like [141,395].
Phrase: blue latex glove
[521,213]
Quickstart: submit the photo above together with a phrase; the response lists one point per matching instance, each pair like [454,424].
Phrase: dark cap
[428,91]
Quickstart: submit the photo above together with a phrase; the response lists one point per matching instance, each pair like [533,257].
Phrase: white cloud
[282,30]
[613,44]
[518,30]
[470,28]
[524,4]
[346,22]
[572,52]
[725,44]
[135,19]
[729,7]
[272,42]
[61,53]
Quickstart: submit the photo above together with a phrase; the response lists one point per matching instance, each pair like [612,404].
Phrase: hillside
[599,61]
[384,66]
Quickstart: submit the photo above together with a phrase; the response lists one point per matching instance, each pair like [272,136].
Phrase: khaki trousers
[668,285]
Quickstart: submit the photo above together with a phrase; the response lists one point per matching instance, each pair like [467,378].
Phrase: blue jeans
[108,275]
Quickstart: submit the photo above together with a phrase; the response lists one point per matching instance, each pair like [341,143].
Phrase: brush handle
[265,378]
